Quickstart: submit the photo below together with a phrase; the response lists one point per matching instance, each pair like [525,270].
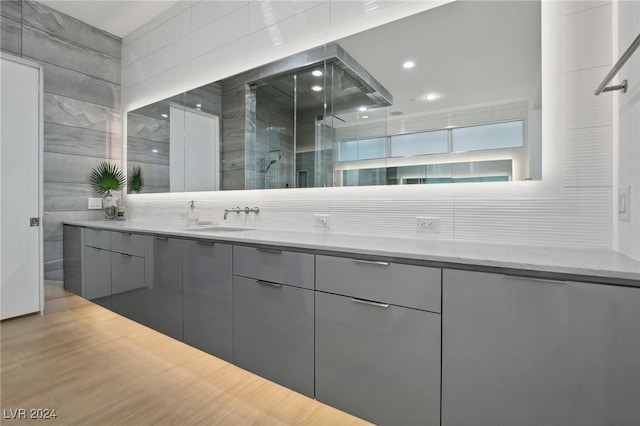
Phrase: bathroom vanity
[396,331]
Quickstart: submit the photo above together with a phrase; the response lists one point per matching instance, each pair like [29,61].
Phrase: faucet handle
[256,210]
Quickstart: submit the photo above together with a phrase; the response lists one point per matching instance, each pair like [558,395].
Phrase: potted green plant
[135,180]
[104,179]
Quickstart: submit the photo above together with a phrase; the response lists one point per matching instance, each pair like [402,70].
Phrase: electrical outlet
[95,203]
[428,224]
[321,221]
[624,205]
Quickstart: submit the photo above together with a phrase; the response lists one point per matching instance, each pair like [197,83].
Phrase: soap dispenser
[192,213]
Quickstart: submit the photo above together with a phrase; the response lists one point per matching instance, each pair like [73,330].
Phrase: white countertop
[596,263]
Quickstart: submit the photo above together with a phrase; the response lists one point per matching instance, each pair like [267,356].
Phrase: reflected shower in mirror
[449,95]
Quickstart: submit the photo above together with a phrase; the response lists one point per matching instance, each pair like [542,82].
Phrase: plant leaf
[105,177]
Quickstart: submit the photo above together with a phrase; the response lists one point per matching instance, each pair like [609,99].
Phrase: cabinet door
[159,303]
[378,362]
[273,332]
[72,258]
[97,282]
[207,303]
[531,352]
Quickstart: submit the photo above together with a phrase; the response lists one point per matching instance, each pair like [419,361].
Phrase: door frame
[38,67]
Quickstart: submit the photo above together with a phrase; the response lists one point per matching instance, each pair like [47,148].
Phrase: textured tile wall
[82,109]
[578,213]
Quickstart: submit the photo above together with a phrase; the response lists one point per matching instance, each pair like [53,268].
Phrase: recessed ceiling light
[316,88]
[316,73]
[432,96]
[165,115]
[154,151]
[362,109]
[198,105]
[365,116]
[408,65]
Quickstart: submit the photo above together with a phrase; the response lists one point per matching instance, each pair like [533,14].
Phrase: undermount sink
[216,228]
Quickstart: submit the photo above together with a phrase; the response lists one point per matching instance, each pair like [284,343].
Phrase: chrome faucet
[246,210]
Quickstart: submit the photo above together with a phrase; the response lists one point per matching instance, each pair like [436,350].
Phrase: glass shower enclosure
[293,116]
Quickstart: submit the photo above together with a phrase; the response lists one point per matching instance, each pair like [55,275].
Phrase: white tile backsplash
[170,56]
[136,50]
[582,108]
[219,33]
[174,29]
[205,12]
[588,39]
[263,14]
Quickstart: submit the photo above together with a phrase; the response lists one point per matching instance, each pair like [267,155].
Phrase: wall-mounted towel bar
[623,59]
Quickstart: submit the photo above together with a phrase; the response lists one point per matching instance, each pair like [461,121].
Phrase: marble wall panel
[72,84]
[75,113]
[45,47]
[64,196]
[65,139]
[11,9]
[10,35]
[42,17]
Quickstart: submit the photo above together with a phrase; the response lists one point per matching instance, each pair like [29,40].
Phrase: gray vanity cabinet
[377,348]
[207,297]
[273,332]
[379,362]
[530,352]
[157,304]
[273,315]
[97,282]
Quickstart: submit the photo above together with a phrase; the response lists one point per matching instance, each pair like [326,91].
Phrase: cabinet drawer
[276,266]
[412,286]
[98,238]
[127,273]
[379,363]
[128,243]
[273,332]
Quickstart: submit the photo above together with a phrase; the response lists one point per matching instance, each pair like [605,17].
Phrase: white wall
[628,233]
[572,206]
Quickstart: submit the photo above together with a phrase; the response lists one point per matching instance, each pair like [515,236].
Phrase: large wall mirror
[449,95]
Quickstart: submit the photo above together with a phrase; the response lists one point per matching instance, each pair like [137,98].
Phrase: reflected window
[362,149]
[488,136]
[419,143]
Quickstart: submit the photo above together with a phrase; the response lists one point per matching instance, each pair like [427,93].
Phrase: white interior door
[21,268]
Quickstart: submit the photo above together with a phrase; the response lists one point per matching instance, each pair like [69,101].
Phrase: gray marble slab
[147,151]
[44,47]
[11,9]
[10,36]
[555,263]
[72,84]
[232,180]
[62,196]
[44,18]
[145,127]
[55,277]
[233,160]
[72,112]
[78,141]
[53,250]
[65,168]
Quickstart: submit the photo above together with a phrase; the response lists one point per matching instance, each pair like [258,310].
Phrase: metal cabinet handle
[205,243]
[267,283]
[125,254]
[162,238]
[541,280]
[371,262]
[370,303]
[266,250]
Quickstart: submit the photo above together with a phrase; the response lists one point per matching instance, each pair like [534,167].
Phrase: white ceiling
[118,17]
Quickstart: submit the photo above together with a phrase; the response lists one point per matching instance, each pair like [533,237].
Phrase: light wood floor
[95,367]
